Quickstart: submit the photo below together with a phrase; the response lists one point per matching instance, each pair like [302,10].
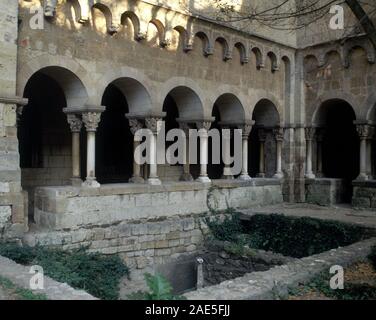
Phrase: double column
[279,137]
[75,123]
[154,125]
[90,117]
[310,134]
[204,127]
[246,130]
[91,121]
[365,132]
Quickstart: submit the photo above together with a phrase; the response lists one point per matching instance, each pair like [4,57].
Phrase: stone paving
[20,276]
[343,213]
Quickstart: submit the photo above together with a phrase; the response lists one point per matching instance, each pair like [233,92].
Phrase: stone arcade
[74,95]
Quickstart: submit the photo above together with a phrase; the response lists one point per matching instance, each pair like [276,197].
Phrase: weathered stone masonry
[73,95]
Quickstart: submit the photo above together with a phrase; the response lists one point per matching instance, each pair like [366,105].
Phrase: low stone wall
[147,225]
[275,283]
[62,208]
[325,191]
[364,195]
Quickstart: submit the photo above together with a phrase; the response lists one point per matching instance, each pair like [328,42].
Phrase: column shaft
[310,134]
[278,133]
[204,159]
[245,136]
[76,125]
[154,125]
[91,121]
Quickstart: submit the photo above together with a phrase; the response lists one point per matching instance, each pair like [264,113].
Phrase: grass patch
[20,293]
[95,273]
[290,236]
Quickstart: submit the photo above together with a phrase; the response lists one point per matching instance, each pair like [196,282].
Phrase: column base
[154,182]
[203,179]
[245,177]
[310,176]
[226,177]
[278,175]
[76,182]
[136,180]
[362,177]
[186,177]
[91,183]
[261,175]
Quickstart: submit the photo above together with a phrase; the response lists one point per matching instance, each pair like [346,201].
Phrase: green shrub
[295,237]
[159,289]
[95,273]
[227,229]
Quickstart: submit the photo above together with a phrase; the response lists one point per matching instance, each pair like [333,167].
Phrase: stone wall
[12,215]
[325,192]
[364,196]
[146,225]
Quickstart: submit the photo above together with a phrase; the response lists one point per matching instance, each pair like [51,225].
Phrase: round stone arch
[135,86]
[272,100]
[238,99]
[69,74]
[315,120]
[190,99]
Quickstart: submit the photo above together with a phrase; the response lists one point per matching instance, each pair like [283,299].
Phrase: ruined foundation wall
[146,229]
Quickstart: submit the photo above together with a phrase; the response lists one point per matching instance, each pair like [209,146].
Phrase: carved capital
[365,131]
[206,125]
[154,124]
[310,133]
[75,122]
[278,134]
[91,120]
[246,130]
[135,125]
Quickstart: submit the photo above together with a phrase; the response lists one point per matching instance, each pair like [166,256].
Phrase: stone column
[369,154]
[186,176]
[310,136]
[91,121]
[135,126]
[226,136]
[262,138]
[203,128]
[319,140]
[246,130]
[154,125]
[75,125]
[364,132]
[278,134]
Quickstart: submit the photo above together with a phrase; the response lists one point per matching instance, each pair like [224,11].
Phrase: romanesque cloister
[76,93]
